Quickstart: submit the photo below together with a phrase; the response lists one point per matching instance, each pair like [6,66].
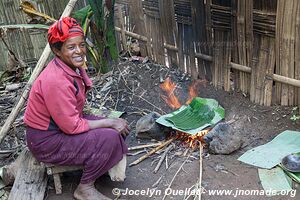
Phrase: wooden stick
[275,77]
[162,159]
[144,146]
[37,70]
[131,34]
[169,186]
[151,152]
[167,164]
[157,182]
[200,169]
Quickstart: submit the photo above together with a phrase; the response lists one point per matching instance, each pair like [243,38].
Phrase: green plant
[98,20]
[294,116]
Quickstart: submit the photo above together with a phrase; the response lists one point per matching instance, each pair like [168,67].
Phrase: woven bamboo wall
[249,46]
[28,45]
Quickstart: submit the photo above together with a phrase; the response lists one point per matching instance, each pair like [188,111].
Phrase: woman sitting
[57,131]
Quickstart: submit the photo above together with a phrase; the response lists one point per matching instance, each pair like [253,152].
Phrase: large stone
[147,128]
[223,139]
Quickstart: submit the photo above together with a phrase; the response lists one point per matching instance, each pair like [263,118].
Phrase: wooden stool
[56,170]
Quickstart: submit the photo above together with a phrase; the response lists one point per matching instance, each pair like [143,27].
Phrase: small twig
[132,94]
[144,110]
[162,159]
[187,197]
[200,170]
[184,170]
[185,152]
[136,113]
[136,153]
[118,95]
[169,186]
[144,146]
[231,121]
[147,102]
[155,160]
[151,152]
[157,182]
[167,165]
[131,123]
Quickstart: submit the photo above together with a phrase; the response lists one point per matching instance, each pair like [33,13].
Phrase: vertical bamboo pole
[200,37]
[226,73]
[241,40]
[180,46]
[215,59]
[297,55]
[286,45]
[148,35]
[159,41]
[249,40]
[279,46]
[291,66]
[169,29]
[121,22]
[208,26]
[138,22]
[254,67]
[268,82]
[193,66]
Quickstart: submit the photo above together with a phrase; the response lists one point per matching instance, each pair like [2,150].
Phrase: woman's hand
[120,125]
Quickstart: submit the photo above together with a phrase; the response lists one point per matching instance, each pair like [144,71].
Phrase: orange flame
[168,86]
[193,90]
[192,140]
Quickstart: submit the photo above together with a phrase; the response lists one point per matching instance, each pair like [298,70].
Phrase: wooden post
[297,56]
[120,20]
[37,70]
[138,21]
[31,179]
[200,37]
[169,29]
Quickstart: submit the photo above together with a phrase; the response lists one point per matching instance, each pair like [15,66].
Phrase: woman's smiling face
[73,52]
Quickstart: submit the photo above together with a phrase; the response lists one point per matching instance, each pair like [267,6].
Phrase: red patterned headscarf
[63,29]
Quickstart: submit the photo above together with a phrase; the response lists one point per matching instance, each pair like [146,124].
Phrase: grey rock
[223,139]
[147,128]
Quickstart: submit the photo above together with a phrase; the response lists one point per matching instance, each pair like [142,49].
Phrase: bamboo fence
[32,42]
[249,46]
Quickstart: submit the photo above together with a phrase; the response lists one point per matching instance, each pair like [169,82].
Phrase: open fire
[169,87]
[191,141]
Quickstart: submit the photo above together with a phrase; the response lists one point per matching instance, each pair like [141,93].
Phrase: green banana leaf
[293,175]
[83,15]
[184,120]
[196,114]
[270,154]
[104,112]
[274,180]
[104,32]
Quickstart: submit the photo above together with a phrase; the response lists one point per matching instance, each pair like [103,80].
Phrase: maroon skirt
[97,150]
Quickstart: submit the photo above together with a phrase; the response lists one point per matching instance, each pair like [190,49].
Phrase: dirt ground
[134,88]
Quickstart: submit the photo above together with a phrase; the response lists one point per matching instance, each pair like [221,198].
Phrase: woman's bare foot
[88,192]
